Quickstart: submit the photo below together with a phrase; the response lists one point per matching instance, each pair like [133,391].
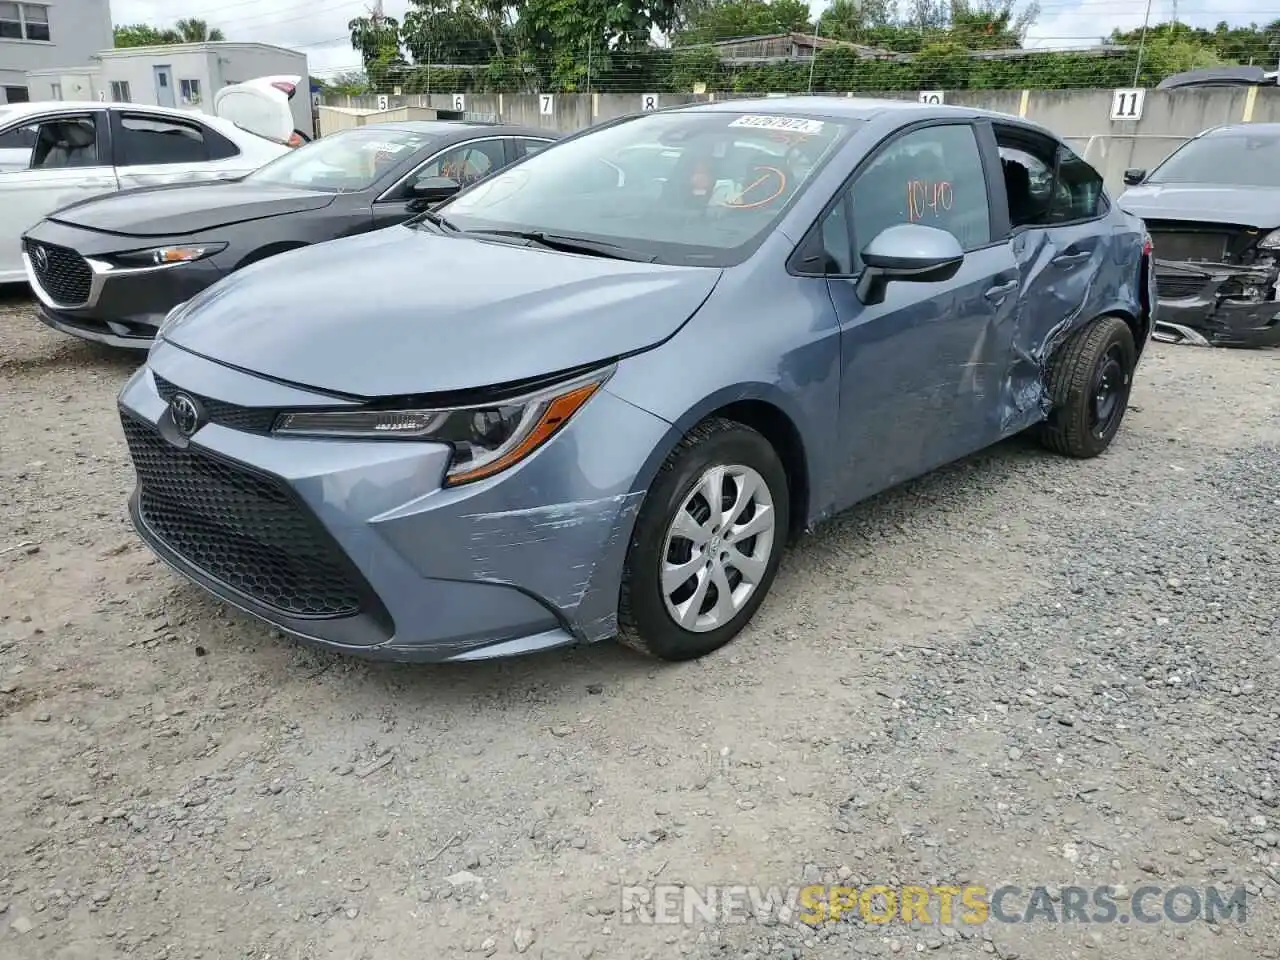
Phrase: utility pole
[813,62]
[1142,42]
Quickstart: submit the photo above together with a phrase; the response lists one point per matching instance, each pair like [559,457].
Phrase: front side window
[343,162]
[933,177]
[1237,159]
[24,21]
[145,140]
[466,163]
[695,187]
[66,142]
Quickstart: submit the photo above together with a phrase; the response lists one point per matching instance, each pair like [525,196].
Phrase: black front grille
[1177,286]
[62,272]
[249,419]
[1202,246]
[243,529]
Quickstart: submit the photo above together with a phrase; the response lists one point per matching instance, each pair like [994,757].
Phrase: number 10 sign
[1127,104]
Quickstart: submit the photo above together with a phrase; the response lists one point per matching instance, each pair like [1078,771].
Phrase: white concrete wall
[78,29]
[139,72]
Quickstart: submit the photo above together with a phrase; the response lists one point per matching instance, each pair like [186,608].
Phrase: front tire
[706,545]
[1089,380]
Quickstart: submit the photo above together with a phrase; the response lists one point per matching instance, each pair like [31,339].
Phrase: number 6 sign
[459,102]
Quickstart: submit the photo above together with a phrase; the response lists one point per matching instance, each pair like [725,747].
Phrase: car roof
[460,128]
[853,108]
[1233,129]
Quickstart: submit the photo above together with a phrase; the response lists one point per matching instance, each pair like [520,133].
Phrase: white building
[40,36]
[174,75]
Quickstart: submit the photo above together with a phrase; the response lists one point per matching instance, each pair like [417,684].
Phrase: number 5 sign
[546,104]
[1127,104]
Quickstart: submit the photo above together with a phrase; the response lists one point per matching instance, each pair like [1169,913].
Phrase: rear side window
[1079,190]
[220,148]
[526,147]
[932,176]
[151,140]
[19,138]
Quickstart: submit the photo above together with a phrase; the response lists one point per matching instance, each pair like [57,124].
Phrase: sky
[319,27]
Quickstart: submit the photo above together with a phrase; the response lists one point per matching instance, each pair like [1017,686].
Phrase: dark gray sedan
[110,269]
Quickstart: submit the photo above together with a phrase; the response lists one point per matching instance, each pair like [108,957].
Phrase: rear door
[153,148]
[70,161]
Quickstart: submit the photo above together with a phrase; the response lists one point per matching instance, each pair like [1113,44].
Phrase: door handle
[1002,290]
[1070,257]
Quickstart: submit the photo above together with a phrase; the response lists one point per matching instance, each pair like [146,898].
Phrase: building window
[15,94]
[55,90]
[24,21]
[120,91]
[190,91]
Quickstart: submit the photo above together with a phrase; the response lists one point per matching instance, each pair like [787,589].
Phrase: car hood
[401,311]
[1251,206]
[187,208]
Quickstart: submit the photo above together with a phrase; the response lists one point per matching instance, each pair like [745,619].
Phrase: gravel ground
[1021,669]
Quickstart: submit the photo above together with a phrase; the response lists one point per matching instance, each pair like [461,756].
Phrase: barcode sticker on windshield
[377,146]
[793,124]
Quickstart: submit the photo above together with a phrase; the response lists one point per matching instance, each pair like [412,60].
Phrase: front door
[462,164]
[164,86]
[70,160]
[922,370]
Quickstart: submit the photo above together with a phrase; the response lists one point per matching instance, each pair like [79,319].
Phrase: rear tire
[697,571]
[1089,380]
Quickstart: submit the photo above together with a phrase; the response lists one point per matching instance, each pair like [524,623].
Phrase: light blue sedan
[598,393]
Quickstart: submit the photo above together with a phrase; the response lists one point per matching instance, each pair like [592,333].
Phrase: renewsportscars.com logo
[968,905]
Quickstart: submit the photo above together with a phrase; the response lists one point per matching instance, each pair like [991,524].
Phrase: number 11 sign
[1127,104]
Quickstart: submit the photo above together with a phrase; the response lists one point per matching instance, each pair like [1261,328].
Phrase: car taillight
[295,139]
[1147,245]
[284,87]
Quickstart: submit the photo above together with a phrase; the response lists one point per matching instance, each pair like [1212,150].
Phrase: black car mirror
[1134,177]
[907,251]
[435,188]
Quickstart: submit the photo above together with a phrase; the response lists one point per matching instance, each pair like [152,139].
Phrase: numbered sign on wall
[931,96]
[546,104]
[1127,104]
[459,102]
[382,101]
[649,101]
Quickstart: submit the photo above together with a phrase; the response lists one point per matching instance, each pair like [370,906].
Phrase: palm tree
[197,31]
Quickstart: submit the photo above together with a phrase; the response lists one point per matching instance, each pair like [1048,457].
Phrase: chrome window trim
[386,194]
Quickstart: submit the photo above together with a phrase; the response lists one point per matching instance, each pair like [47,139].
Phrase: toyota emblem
[185,413]
[42,258]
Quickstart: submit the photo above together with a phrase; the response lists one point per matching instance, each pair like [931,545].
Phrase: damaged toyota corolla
[1213,210]
[589,398]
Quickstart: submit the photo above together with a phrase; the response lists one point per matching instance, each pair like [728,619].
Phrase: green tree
[378,41]
[444,31]
[727,19]
[197,31]
[142,35]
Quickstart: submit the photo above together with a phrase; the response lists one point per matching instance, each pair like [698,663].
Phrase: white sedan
[55,153]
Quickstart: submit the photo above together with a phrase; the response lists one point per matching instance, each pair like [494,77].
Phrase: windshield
[1238,160]
[696,188]
[343,162]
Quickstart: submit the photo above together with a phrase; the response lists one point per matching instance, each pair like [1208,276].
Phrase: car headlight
[486,438]
[1271,241]
[164,256]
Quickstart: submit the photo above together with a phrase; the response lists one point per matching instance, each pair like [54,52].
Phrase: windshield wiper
[436,220]
[553,241]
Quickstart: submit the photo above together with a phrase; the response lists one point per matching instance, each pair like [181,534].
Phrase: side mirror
[435,188]
[907,251]
[1134,177]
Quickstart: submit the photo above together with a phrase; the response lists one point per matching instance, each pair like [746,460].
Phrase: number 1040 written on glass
[927,197]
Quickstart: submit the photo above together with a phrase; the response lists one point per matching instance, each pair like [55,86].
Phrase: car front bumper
[355,546]
[100,302]
[1194,307]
